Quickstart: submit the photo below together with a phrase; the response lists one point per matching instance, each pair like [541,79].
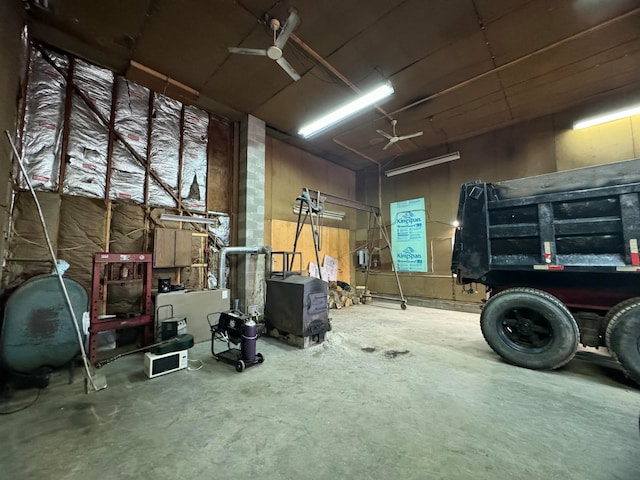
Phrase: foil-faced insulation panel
[222,231]
[165,149]
[194,159]
[88,140]
[88,137]
[43,120]
[128,173]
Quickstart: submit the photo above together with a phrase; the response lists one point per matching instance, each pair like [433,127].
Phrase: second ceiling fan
[393,138]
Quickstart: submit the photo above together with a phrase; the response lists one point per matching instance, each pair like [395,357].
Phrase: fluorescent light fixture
[449,157]
[360,103]
[325,213]
[607,117]
[178,218]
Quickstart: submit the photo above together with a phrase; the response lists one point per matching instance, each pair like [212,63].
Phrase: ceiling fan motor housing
[274,53]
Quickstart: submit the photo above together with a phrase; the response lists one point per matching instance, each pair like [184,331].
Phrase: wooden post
[66,124]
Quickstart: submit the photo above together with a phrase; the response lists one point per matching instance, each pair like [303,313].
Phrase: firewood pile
[344,295]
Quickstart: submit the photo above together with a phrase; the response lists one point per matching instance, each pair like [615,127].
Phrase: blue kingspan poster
[409,235]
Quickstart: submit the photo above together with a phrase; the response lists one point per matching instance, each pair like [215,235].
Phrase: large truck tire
[623,336]
[530,328]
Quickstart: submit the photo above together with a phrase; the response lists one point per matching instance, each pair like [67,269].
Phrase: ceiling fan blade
[412,135]
[384,134]
[248,51]
[286,66]
[290,25]
[387,145]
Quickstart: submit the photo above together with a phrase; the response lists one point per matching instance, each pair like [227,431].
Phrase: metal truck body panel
[558,254]
[565,236]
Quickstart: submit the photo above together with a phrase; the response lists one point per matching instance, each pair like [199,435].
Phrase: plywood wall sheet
[335,243]
[298,98]
[492,10]
[526,149]
[609,142]
[459,61]
[164,244]
[28,239]
[440,249]
[127,228]
[205,30]
[543,82]
[220,161]
[404,27]
[635,128]
[344,20]
[290,169]
[114,30]
[600,46]
[82,231]
[540,23]
[184,245]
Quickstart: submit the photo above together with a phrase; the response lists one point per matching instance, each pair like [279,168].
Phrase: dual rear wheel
[623,336]
[530,328]
[533,329]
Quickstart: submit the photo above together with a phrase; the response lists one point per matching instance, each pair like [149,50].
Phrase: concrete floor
[449,408]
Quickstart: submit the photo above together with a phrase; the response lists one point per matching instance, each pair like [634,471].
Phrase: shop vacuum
[235,328]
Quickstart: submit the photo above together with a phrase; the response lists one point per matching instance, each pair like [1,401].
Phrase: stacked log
[345,296]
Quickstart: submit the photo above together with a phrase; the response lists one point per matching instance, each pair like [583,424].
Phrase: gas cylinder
[249,339]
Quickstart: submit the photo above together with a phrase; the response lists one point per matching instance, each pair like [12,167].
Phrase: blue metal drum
[37,329]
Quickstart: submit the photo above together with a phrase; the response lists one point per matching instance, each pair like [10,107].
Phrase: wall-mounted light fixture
[449,157]
[351,108]
[607,117]
[329,214]
[178,218]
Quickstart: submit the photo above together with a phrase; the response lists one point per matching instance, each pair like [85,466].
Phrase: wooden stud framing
[147,177]
[180,160]
[112,134]
[23,112]
[66,124]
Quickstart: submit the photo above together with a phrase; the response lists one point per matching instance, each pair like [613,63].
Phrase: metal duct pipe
[237,250]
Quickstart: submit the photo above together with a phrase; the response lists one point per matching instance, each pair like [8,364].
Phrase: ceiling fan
[395,137]
[274,52]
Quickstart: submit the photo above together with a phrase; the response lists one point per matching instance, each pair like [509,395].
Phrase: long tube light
[178,218]
[351,108]
[449,157]
[328,214]
[607,117]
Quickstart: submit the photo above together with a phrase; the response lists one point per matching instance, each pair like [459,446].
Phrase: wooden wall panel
[184,243]
[335,243]
[163,247]
[220,158]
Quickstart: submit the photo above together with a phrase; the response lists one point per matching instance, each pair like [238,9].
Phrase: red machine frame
[131,268]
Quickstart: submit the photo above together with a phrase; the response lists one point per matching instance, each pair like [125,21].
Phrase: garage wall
[535,147]
[81,225]
[11,20]
[288,171]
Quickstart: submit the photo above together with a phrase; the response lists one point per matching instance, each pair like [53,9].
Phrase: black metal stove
[297,305]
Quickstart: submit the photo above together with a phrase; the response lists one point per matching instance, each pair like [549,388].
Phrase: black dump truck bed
[554,229]
[566,239]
